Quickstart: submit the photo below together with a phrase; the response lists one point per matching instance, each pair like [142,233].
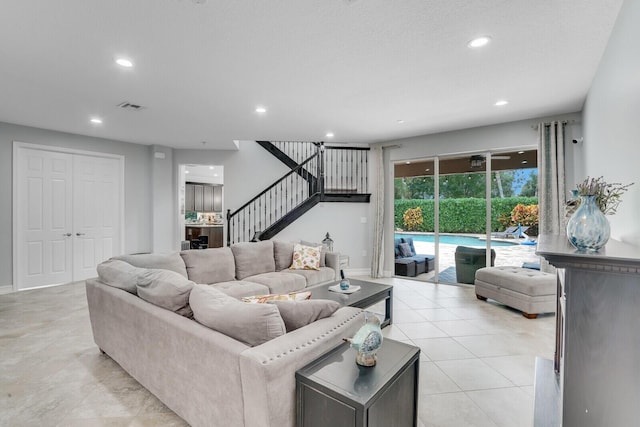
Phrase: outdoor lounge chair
[515,231]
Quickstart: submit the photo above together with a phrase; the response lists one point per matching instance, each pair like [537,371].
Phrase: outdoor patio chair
[470,260]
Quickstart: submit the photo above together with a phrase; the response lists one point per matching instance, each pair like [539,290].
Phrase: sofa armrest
[268,370]
[332,260]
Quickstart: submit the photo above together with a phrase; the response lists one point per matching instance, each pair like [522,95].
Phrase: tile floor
[477,361]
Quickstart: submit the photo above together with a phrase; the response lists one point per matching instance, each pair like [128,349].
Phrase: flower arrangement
[608,195]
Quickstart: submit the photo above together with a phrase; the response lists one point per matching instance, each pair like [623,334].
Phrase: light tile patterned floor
[477,361]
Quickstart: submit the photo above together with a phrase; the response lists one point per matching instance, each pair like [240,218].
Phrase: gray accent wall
[611,146]
[137,185]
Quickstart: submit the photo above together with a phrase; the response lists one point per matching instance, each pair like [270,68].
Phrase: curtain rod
[564,122]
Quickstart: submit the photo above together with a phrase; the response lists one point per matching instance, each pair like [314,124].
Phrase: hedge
[459,215]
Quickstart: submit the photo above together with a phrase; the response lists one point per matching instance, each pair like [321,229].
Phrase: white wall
[137,183]
[611,118]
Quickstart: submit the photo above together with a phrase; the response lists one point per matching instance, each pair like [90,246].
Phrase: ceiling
[350,67]
[511,160]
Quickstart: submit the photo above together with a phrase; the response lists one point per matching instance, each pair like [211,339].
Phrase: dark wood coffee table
[369,294]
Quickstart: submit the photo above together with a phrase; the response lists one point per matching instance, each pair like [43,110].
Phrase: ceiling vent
[130,106]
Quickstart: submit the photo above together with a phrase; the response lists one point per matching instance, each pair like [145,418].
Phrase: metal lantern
[327,242]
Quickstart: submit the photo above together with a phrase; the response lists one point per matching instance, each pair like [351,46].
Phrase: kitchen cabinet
[214,233]
[203,197]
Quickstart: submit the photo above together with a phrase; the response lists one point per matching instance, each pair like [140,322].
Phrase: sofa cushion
[210,265]
[241,288]
[119,274]
[283,254]
[405,250]
[253,258]
[278,282]
[297,314]
[171,261]
[167,289]
[252,324]
[313,277]
[306,257]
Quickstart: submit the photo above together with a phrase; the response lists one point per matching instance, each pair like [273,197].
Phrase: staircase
[318,173]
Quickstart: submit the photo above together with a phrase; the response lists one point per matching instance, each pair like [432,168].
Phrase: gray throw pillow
[405,250]
[166,289]
[119,274]
[297,314]
[252,324]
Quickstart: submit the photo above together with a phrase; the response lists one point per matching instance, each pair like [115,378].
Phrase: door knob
[79,234]
[67,234]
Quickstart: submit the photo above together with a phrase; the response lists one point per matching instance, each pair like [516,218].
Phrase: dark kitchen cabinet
[203,197]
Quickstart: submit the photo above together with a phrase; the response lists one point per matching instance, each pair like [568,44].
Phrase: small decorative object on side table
[367,341]
[334,391]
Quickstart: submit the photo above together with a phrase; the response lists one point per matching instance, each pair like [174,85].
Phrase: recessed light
[186,171]
[261,110]
[407,163]
[524,162]
[400,121]
[479,42]
[520,152]
[96,120]
[501,103]
[210,167]
[215,174]
[427,170]
[329,135]
[124,62]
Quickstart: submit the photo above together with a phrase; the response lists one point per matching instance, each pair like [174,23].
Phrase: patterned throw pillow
[306,257]
[293,296]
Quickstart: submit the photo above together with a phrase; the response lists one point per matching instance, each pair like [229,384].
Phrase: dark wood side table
[334,391]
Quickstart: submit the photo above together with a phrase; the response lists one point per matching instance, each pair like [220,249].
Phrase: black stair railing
[318,173]
[250,221]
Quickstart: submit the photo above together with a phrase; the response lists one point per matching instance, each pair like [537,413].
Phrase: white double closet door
[68,215]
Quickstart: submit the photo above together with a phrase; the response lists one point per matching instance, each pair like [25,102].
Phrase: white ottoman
[530,291]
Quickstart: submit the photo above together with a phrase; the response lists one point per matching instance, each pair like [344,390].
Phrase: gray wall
[611,120]
[163,199]
[137,170]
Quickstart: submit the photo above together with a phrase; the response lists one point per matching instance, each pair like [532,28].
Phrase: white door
[96,210]
[68,217]
[44,218]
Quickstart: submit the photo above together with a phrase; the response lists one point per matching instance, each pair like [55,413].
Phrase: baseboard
[6,289]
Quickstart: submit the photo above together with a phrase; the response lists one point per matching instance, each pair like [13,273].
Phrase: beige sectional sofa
[206,377]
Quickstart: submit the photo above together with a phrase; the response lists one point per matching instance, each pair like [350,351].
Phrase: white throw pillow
[252,324]
[306,257]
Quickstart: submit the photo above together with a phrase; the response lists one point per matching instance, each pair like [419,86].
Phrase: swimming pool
[452,239]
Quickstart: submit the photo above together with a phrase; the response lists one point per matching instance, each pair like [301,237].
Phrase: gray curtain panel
[551,182]
[377,256]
